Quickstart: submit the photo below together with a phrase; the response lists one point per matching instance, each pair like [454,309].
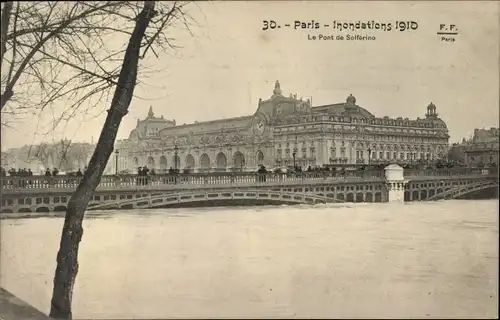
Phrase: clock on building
[259,126]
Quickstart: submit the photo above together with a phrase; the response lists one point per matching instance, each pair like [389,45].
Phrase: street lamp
[116,163]
[176,150]
[369,156]
[294,153]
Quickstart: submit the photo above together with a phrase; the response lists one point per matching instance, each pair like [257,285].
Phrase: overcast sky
[229,63]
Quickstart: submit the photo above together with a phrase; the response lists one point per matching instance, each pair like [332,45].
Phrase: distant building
[456,153]
[284,131]
[483,149]
[65,156]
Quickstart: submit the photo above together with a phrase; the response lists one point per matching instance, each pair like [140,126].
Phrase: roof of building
[269,109]
[348,108]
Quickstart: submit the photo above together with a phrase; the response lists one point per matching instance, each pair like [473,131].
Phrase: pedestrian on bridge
[138,180]
[262,173]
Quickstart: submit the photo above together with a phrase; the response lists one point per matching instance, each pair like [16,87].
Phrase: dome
[431,106]
[351,99]
[133,134]
[440,122]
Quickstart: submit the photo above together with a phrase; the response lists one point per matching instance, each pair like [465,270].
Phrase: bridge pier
[395,182]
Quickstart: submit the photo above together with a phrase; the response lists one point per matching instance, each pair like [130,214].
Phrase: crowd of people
[145,175]
[28,173]
[16,173]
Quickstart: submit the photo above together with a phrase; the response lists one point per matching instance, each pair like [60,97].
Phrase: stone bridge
[44,194]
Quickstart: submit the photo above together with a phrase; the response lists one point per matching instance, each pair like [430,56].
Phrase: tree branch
[74,66]
[8,91]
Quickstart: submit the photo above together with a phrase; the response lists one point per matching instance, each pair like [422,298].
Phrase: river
[418,260]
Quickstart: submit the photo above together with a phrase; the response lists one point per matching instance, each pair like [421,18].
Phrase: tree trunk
[7,9]
[67,257]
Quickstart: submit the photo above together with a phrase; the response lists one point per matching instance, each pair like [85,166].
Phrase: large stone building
[483,149]
[284,130]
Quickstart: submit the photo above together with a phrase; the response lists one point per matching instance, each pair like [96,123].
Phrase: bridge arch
[163,163]
[221,161]
[360,197]
[163,200]
[463,189]
[350,197]
[238,161]
[369,197]
[415,195]
[423,195]
[190,163]
[205,162]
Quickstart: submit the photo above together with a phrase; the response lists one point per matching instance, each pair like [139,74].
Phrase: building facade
[483,149]
[284,131]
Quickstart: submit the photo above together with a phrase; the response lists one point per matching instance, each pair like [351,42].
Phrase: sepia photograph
[249,159]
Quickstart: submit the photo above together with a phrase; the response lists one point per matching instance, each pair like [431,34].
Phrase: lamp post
[369,156]
[294,153]
[176,151]
[116,163]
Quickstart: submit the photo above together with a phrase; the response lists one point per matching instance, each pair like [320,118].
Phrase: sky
[227,62]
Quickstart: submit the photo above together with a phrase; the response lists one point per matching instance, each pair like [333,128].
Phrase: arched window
[260,157]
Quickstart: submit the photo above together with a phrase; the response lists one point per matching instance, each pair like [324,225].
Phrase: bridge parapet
[450,172]
[195,180]
[33,184]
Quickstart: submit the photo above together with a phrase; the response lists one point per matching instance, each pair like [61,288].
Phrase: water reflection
[326,261]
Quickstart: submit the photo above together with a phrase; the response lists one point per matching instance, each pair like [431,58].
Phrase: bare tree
[43,153]
[62,52]
[69,53]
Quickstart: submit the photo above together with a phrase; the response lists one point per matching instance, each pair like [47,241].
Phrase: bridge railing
[449,172]
[133,181]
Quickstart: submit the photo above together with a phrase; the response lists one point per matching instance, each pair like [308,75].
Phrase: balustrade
[447,172]
[223,178]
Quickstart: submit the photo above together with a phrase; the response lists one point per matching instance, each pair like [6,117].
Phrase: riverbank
[13,308]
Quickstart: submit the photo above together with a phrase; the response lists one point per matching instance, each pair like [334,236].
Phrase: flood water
[417,260]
